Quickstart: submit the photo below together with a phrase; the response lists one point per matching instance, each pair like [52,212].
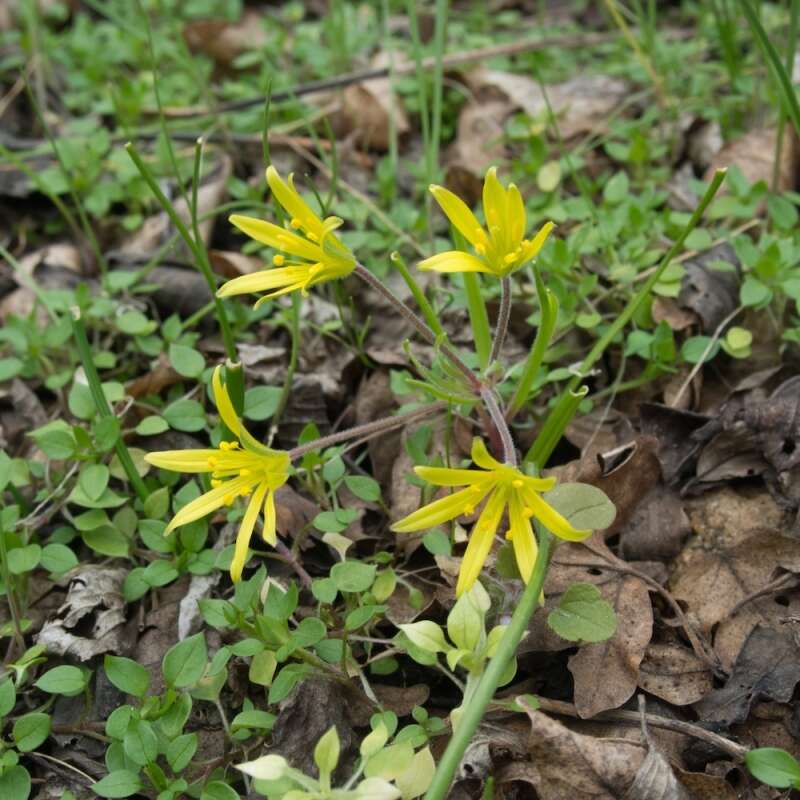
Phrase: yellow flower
[318,254]
[505,486]
[500,251]
[238,469]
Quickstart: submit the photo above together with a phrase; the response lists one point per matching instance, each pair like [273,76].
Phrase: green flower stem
[556,415]
[478,317]
[548,305]
[550,434]
[473,713]
[101,404]
[367,430]
[196,247]
[503,316]
[11,597]
[419,296]
[422,329]
[234,382]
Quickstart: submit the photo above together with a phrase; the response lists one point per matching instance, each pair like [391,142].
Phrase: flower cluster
[243,467]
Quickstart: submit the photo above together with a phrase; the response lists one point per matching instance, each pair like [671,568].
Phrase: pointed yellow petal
[442,510]
[522,537]
[540,484]
[280,292]
[206,503]
[480,541]
[270,519]
[263,280]
[551,519]
[182,460]
[480,455]
[494,202]
[245,531]
[538,241]
[290,199]
[265,232]
[444,476]
[453,261]
[516,215]
[459,213]
[223,402]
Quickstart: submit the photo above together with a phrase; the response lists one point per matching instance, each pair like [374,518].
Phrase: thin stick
[406,68]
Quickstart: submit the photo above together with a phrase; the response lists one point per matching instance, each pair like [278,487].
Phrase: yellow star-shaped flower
[238,469]
[505,487]
[318,253]
[500,250]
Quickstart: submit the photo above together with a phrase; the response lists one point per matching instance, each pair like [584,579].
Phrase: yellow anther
[244,472]
[225,446]
[517,483]
[468,509]
[480,249]
[510,258]
[527,512]
[278,260]
[475,489]
[312,236]
[244,492]
[216,483]
[295,223]
[229,498]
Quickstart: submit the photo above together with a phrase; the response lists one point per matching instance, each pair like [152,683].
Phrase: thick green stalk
[196,248]
[473,713]
[630,309]
[478,317]
[548,305]
[419,296]
[101,404]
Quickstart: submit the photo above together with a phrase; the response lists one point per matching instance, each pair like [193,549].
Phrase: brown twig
[787,581]
[409,67]
[736,751]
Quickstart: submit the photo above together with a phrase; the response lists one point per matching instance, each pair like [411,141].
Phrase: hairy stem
[503,316]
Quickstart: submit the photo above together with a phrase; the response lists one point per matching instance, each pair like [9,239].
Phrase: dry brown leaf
[369,109]
[569,765]
[712,580]
[656,528]
[754,155]
[478,146]
[233,264]
[606,673]
[580,105]
[375,400]
[656,780]
[223,41]
[91,621]
[675,674]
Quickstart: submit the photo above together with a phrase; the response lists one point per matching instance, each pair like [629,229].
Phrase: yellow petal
[480,541]
[270,519]
[444,476]
[290,199]
[538,241]
[522,537]
[265,232]
[494,203]
[245,531]
[453,261]
[223,402]
[182,460]
[540,484]
[301,286]
[206,503]
[480,455]
[459,213]
[516,215]
[551,519]
[263,280]
[442,510]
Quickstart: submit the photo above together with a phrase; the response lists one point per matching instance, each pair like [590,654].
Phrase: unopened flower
[315,253]
[501,248]
[244,468]
[505,487]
